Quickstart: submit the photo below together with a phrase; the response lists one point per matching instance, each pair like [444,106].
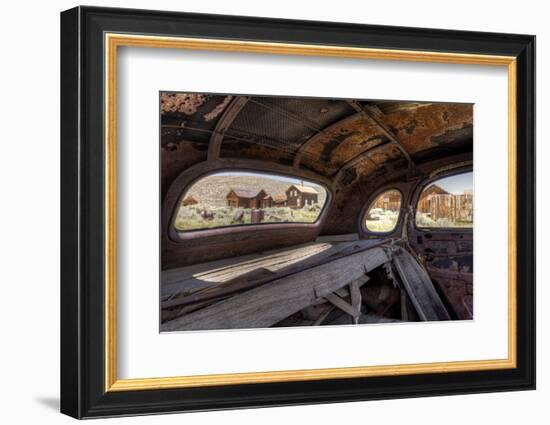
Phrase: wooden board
[198,284]
[207,274]
[270,303]
[419,287]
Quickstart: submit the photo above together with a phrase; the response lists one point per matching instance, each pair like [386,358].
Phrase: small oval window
[383,213]
[227,199]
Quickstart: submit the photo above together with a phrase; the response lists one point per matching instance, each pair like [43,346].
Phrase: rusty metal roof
[342,139]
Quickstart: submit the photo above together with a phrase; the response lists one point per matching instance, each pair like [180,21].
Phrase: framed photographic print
[261,212]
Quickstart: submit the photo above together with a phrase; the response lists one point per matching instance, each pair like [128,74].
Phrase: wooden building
[267,202]
[439,204]
[299,196]
[240,198]
[389,200]
[464,207]
[189,200]
[279,200]
[426,201]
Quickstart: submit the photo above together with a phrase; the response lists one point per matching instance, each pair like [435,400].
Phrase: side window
[383,213]
[228,199]
[447,203]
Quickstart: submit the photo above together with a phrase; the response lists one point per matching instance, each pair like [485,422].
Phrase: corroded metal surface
[326,136]
[331,138]
[329,151]
[233,148]
[430,125]
[178,157]
[187,103]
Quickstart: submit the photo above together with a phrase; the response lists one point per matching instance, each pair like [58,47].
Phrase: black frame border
[82,205]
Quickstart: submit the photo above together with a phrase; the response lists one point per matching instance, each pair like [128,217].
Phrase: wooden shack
[388,201]
[188,200]
[464,207]
[427,198]
[267,201]
[440,204]
[299,196]
[279,200]
[241,198]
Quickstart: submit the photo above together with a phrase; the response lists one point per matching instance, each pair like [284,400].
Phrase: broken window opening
[447,203]
[228,199]
[383,213]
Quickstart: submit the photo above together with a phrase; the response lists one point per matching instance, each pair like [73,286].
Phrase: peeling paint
[188,103]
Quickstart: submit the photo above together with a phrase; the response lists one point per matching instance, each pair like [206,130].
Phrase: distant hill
[212,190]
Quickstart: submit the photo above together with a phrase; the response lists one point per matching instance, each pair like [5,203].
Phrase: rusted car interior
[336,269]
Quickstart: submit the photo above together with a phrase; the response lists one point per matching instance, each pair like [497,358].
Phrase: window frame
[424,184]
[179,236]
[370,202]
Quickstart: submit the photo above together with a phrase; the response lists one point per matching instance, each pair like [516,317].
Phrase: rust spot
[349,133]
[188,103]
[408,128]
[373,141]
[450,136]
[415,128]
[386,153]
[333,143]
[349,176]
[218,109]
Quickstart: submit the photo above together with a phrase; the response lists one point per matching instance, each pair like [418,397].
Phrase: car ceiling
[346,141]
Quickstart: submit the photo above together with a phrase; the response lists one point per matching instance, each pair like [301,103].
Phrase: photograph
[305,211]
[293,209]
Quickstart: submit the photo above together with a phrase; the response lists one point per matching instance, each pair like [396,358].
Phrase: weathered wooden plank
[268,304]
[355,297]
[260,275]
[419,287]
[323,315]
[212,273]
[343,305]
[344,292]
[227,269]
[201,276]
[404,306]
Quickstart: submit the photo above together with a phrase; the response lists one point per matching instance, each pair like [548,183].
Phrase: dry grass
[424,220]
[190,218]
[382,221]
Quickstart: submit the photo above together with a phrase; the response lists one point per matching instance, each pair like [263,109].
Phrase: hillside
[212,190]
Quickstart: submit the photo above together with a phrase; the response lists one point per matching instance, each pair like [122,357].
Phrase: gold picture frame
[114,41]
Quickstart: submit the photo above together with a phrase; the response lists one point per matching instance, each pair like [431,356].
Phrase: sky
[457,184]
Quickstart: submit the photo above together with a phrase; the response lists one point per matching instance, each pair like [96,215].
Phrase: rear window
[447,203]
[383,212]
[229,199]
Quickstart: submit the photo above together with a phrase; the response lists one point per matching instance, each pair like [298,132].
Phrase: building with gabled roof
[299,196]
[242,198]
